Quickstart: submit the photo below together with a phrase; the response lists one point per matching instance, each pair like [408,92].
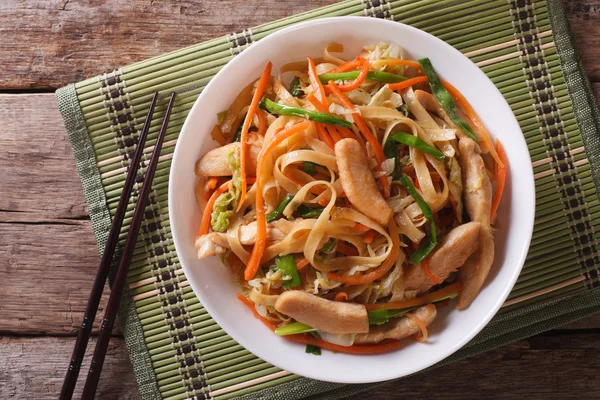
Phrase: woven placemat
[525,48]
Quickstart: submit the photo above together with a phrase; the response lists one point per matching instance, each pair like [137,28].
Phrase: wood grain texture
[33,368]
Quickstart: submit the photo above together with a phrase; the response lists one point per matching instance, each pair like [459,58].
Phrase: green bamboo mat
[524,46]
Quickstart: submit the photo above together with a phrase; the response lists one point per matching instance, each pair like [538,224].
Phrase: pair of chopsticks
[110,314]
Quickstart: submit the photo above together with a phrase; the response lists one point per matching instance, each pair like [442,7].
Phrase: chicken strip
[478,202]
[398,328]
[358,181]
[325,315]
[453,251]
[214,163]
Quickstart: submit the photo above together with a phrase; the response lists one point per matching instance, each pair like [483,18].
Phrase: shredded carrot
[347,66]
[407,83]
[483,133]
[205,224]
[355,349]
[323,202]
[261,221]
[250,305]
[260,89]
[262,122]
[360,228]
[500,179]
[346,249]
[317,104]
[346,133]
[369,236]
[323,135]
[303,263]
[375,145]
[212,182]
[333,133]
[418,301]
[341,296]
[406,63]
[207,195]
[422,328]
[364,63]
[315,82]
[379,271]
[430,275]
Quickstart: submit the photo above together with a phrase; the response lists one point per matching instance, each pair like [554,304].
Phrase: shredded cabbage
[225,203]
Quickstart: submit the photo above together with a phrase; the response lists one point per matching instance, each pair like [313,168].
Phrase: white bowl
[213,283]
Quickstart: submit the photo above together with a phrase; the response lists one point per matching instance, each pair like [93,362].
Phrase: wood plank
[85,38]
[553,367]
[34,368]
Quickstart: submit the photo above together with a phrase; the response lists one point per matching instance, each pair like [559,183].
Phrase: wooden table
[47,250]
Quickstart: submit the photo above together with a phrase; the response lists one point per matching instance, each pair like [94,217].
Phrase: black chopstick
[83,336]
[91,383]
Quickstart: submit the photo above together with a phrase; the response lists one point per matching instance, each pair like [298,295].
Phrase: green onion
[371,76]
[310,349]
[295,88]
[445,98]
[413,141]
[293,329]
[430,241]
[279,210]
[327,247]
[309,167]
[282,109]
[308,212]
[287,266]
[403,108]
[238,134]
[391,151]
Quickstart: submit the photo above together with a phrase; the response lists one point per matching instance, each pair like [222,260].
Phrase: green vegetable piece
[328,247]
[223,207]
[309,167]
[371,76]
[293,329]
[403,108]
[413,141]
[391,151]
[295,88]
[279,210]
[310,349]
[308,212]
[378,317]
[282,109]
[430,241]
[287,266]
[445,98]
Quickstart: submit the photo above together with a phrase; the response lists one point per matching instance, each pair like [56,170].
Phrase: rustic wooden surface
[48,254]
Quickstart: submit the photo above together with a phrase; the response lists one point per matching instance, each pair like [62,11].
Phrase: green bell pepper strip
[308,212]
[295,88]
[445,98]
[430,241]
[287,266]
[279,210]
[328,246]
[371,76]
[282,109]
[413,141]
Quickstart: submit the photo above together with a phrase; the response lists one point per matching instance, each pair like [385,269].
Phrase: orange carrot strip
[334,134]
[407,83]
[345,132]
[430,275]
[418,301]
[466,106]
[500,179]
[315,82]
[205,224]
[369,236]
[407,63]
[422,328]
[355,349]
[261,221]
[212,182]
[379,271]
[250,305]
[317,104]
[345,249]
[323,202]
[347,66]
[303,263]
[360,79]
[360,228]
[341,296]
[260,89]
[364,129]
[323,136]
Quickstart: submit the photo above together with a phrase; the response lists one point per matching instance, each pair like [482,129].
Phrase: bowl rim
[273,358]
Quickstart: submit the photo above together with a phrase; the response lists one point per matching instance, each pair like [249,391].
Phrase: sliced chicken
[478,202]
[325,315]
[216,243]
[358,181]
[453,251]
[398,328]
[214,163]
